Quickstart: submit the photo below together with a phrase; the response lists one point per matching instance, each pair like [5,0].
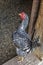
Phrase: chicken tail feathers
[36,43]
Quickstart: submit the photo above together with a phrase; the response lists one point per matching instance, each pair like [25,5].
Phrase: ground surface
[9,22]
[30,59]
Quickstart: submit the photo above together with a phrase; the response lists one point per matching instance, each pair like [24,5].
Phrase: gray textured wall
[9,21]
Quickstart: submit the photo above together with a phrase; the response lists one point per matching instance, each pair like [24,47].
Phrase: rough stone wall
[9,21]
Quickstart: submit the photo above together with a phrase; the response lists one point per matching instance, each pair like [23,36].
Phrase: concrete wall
[9,21]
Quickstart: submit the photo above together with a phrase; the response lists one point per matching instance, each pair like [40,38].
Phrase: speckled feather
[21,39]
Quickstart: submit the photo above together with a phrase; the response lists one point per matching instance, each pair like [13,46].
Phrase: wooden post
[39,31]
[33,16]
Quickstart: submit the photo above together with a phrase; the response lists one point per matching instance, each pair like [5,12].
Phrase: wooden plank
[30,59]
[33,17]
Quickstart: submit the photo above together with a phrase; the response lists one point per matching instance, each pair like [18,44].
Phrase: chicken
[21,39]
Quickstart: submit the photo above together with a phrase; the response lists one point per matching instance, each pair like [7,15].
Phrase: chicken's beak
[19,14]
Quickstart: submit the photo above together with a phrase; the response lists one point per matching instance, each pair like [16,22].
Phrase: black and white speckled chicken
[21,39]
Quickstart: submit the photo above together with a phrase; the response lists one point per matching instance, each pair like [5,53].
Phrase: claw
[20,58]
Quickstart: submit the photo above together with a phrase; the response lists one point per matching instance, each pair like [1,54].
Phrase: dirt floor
[9,21]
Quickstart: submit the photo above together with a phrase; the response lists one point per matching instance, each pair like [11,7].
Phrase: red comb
[22,15]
